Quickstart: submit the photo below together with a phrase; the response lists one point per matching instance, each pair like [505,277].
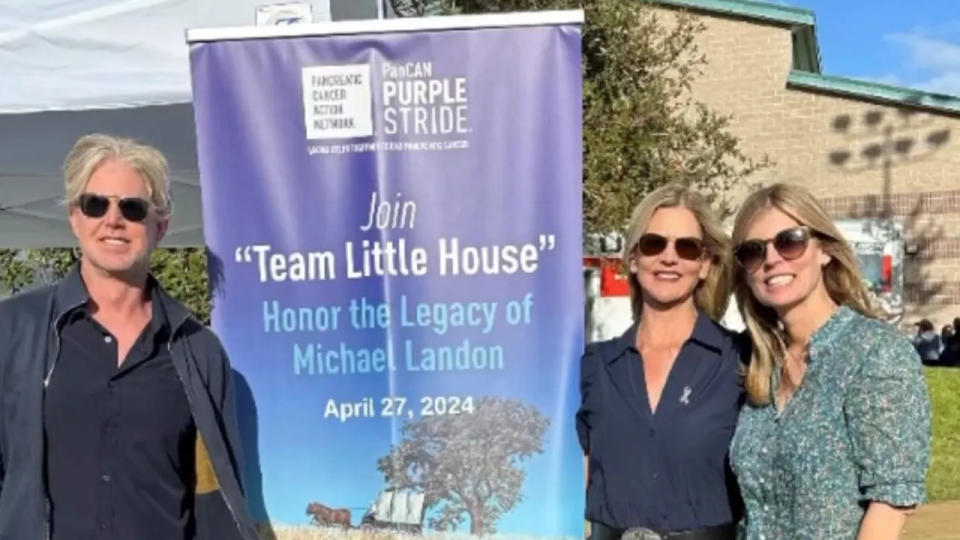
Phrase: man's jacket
[30,327]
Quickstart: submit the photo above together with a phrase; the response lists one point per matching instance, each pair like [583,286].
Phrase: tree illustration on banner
[467,465]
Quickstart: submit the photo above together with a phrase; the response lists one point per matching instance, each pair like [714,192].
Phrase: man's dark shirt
[120,441]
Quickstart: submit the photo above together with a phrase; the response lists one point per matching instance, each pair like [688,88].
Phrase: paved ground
[939,521]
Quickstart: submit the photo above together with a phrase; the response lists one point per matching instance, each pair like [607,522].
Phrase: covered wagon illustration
[396,509]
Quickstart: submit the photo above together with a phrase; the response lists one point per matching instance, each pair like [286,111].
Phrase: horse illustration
[324,515]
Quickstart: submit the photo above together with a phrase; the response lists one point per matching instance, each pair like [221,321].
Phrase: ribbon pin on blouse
[685,398]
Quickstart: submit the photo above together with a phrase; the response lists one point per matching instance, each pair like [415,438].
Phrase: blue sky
[914,44]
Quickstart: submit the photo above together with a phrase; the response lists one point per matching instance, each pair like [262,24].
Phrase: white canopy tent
[71,67]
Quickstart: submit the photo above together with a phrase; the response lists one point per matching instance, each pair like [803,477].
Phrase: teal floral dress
[857,430]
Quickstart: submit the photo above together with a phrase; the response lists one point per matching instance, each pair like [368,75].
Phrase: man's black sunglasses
[131,208]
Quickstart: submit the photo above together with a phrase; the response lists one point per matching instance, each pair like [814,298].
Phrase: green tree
[181,271]
[416,8]
[183,274]
[641,126]
[467,465]
[20,269]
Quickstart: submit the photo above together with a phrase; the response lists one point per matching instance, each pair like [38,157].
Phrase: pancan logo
[413,101]
[418,102]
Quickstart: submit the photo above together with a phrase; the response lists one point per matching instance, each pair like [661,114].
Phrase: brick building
[866,150]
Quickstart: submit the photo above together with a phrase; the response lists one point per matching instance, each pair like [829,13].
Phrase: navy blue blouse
[667,471]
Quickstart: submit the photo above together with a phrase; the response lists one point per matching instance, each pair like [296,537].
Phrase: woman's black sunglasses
[131,208]
[790,244]
[688,248]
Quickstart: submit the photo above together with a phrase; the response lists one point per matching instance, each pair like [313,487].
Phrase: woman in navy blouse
[659,404]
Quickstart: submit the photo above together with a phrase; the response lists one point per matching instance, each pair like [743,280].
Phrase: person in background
[950,356]
[947,335]
[834,441]
[659,404]
[956,331]
[117,409]
[927,342]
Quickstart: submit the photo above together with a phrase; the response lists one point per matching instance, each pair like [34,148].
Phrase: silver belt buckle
[640,533]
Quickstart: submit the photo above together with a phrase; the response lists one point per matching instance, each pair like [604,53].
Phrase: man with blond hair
[117,418]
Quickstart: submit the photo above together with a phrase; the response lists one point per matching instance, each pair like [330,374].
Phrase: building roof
[750,9]
[801,22]
[871,91]
[806,70]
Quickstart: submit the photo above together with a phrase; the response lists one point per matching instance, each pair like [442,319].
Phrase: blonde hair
[90,151]
[713,293]
[841,277]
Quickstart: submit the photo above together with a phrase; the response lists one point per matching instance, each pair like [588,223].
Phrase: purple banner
[394,222]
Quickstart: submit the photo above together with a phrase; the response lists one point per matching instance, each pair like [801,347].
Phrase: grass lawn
[943,480]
